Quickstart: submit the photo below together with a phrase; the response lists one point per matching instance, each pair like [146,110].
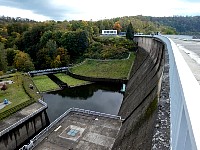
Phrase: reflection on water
[97,97]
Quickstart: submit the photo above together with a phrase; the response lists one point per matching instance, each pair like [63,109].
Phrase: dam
[158,110]
[136,120]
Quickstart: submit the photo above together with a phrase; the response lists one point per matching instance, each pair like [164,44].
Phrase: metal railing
[96,113]
[24,119]
[48,71]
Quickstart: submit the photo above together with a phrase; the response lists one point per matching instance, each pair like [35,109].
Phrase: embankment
[139,106]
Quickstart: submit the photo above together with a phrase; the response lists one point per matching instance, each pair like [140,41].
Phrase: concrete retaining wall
[15,137]
[139,107]
[93,79]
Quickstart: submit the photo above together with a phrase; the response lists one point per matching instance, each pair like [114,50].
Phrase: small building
[109,32]
[122,34]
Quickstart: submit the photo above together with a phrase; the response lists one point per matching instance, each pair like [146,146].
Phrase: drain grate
[72,132]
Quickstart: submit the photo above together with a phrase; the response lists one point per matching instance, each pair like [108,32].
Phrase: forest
[27,45]
[186,25]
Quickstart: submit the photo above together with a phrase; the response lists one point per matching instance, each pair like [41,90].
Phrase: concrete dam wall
[139,106]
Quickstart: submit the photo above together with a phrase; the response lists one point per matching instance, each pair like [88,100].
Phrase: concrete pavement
[190,50]
[81,132]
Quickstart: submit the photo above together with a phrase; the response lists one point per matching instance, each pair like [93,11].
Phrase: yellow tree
[23,62]
[117,26]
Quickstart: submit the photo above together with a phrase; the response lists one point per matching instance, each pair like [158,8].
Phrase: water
[97,97]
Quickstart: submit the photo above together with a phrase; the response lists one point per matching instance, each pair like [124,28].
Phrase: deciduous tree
[117,26]
[3,60]
[23,62]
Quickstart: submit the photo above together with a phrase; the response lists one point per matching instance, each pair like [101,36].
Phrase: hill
[188,25]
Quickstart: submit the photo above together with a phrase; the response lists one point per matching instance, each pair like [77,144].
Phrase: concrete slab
[81,132]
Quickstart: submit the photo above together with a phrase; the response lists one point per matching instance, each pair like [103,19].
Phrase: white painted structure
[109,32]
[184,101]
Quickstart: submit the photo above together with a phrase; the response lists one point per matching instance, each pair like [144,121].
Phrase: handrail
[96,113]
[48,70]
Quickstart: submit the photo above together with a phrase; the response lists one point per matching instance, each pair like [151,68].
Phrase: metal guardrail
[53,69]
[24,119]
[31,145]
[61,69]
[96,113]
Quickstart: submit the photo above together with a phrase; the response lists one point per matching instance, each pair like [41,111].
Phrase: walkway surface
[190,50]
[81,132]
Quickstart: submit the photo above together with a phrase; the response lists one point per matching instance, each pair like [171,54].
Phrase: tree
[117,26]
[56,63]
[31,40]
[3,60]
[23,62]
[51,47]
[76,42]
[130,32]
[63,55]
[43,59]
[46,37]
[10,56]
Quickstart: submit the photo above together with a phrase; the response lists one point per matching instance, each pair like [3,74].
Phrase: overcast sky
[41,10]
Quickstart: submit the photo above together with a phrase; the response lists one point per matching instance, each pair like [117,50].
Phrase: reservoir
[105,98]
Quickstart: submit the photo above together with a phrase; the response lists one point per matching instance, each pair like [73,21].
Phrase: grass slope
[116,69]
[43,83]
[15,92]
[69,80]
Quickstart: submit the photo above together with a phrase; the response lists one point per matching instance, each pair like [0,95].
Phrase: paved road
[190,51]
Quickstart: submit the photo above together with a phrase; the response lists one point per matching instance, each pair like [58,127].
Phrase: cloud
[95,10]
[40,7]
[15,12]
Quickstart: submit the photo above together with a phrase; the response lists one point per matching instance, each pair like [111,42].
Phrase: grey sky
[95,9]
[43,7]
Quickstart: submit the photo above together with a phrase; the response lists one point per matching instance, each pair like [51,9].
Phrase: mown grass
[43,83]
[15,92]
[116,69]
[70,81]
